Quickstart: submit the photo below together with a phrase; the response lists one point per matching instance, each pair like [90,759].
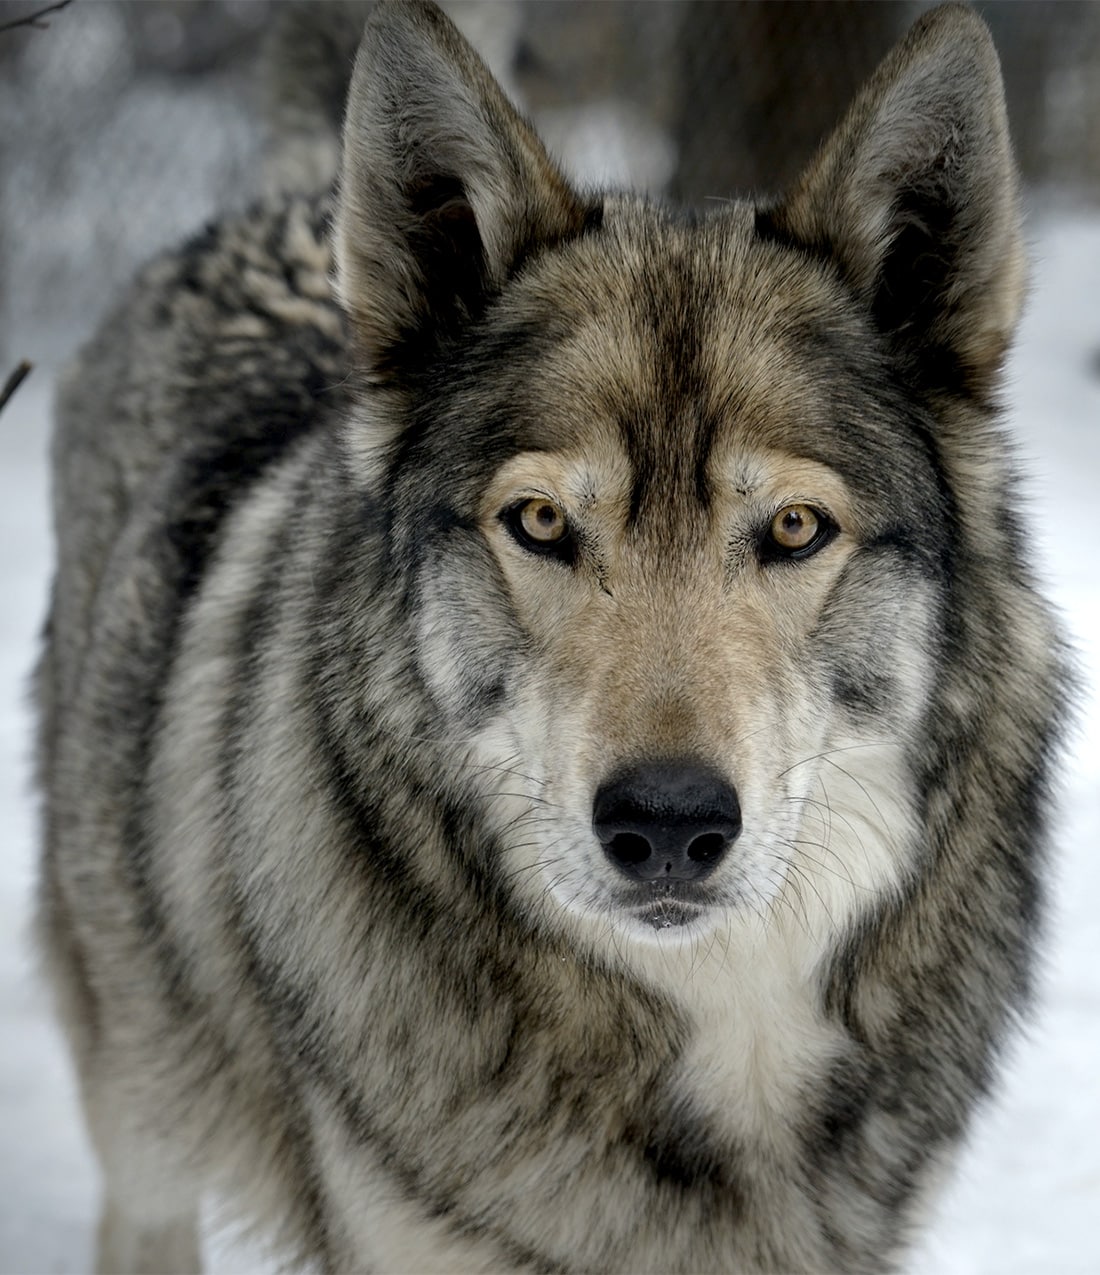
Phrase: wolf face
[671,496]
[680,567]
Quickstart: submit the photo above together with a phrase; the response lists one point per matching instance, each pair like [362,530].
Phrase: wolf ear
[914,196]
[444,188]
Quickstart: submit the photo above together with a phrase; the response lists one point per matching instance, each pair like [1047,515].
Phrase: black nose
[666,821]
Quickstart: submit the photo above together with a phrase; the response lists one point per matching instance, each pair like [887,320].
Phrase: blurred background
[126,126]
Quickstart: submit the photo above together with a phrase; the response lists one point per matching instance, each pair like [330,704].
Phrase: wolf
[547,716]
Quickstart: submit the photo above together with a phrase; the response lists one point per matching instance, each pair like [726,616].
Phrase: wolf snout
[666,820]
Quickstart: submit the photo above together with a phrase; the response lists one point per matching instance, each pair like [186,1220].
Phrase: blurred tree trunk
[1050,55]
[762,83]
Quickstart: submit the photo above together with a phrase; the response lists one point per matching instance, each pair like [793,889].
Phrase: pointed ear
[444,191]
[915,198]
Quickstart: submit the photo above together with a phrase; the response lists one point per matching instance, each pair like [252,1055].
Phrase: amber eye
[795,527]
[796,531]
[542,521]
[540,524]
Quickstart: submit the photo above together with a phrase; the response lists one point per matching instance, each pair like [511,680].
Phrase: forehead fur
[686,340]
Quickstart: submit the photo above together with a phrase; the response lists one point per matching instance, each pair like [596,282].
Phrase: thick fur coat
[545,755]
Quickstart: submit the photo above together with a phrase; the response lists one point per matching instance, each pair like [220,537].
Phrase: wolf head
[682,505]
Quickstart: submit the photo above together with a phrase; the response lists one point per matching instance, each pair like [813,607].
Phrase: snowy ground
[1026,1202]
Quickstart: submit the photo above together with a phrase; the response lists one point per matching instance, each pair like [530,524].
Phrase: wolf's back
[235,337]
[218,356]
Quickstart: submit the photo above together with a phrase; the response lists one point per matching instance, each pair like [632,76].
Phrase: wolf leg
[149,1223]
[129,1244]
[149,1219]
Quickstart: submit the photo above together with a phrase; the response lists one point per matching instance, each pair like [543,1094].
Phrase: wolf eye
[540,524]
[542,521]
[796,531]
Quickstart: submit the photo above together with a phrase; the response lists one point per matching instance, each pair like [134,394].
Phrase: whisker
[844,748]
[861,787]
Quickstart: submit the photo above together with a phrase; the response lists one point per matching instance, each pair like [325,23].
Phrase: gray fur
[321,899]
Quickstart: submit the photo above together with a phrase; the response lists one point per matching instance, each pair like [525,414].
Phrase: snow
[1025,1199]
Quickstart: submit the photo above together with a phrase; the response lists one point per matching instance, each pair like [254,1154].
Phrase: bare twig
[36,20]
[14,381]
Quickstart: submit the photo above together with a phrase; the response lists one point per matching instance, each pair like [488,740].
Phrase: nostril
[629,847]
[708,848]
